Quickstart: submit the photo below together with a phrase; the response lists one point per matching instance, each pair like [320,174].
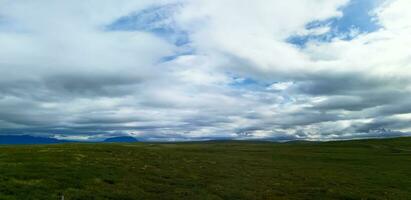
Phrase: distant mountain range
[121,139]
[27,139]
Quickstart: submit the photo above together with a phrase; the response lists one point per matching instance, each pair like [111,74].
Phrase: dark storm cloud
[351,103]
[333,84]
[381,124]
[402,107]
[91,85]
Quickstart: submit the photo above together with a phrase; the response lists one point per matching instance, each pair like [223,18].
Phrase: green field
[366,169]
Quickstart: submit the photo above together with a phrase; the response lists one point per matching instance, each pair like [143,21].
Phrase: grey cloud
[91,85]
[101,72]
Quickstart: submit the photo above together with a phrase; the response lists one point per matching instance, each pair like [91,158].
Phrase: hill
[121,139]
[29,140]
[365,169]
[26,139]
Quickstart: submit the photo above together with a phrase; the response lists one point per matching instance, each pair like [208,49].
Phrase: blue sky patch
[248,83]
[174,56]
[156,20]
[356,19]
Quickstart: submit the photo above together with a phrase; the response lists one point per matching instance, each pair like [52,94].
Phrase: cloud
[181,70]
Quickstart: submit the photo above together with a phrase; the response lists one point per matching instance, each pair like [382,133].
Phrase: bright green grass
[367,169]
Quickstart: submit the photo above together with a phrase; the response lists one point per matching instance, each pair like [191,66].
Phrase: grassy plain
[366,169]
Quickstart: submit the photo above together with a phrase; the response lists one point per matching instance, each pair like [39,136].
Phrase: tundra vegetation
[363,169]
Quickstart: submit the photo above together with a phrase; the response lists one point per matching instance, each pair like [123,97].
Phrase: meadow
[363,169]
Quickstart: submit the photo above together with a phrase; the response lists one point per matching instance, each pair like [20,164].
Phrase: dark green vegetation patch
[367,169]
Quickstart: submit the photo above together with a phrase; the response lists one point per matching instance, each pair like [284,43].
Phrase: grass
[366,169]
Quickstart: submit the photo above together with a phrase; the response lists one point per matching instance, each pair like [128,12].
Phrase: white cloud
[395,15]
[280,86]
[59,61]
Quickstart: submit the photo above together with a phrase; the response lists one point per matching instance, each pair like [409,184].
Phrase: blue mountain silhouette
[26,139]
[121,139]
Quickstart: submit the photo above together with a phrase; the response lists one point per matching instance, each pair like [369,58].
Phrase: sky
[176,70]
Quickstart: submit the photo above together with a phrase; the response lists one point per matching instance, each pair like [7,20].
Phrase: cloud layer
[183,70]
